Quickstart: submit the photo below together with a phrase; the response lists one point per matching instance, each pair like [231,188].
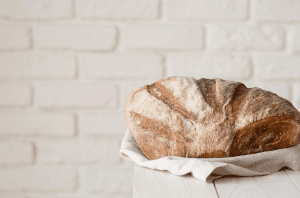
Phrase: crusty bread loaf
[208,118]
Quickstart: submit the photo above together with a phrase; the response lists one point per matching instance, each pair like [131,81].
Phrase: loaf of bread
[208,118]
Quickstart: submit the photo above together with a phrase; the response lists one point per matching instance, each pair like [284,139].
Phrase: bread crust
[208,118]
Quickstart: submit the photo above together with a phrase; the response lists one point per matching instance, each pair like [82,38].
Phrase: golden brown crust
[270,133]
[181,116]
[162,93]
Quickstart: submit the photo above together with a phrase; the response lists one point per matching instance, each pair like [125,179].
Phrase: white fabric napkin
[209,169]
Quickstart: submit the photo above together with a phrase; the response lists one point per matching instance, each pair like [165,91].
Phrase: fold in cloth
[209,169]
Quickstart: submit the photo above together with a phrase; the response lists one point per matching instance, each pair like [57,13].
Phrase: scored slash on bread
[208,118]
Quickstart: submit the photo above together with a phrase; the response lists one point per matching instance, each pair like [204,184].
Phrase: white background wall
[67,66]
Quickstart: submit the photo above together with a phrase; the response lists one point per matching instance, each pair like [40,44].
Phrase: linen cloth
[209,169]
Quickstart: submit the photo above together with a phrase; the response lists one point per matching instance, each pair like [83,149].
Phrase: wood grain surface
[149,183]
[157,184]
[276,185]
[295,176]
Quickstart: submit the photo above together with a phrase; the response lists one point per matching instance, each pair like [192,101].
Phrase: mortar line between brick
[250,11]
[160,10]
[73,10]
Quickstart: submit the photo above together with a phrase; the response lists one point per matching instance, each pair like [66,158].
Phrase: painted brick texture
[163,37]
[37,124]
[79,151]
[77,37]
[15,94]
[195,64]
[277,10]
[206,10]
[38,179]
[227,37]
[296,39]
[116,9]
[24,65]
[16,152]
[19,9]
[13,37]
[76,95]
[132,65]
[66,68]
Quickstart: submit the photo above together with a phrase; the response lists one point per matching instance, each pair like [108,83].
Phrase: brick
[37,124]
[116,9]
[107,179]
[296,95]
[279,88]
[76,95]
[16,152]
[296,41]
[102,122]
[163,37]
[45,179]
[61,196]
[254,37]
[208,66]
[129,65]
[206,10]
[98,195]
[123,195]
[277,10]
[14,195]
[36,9]
[79,151]
[36,65]
[15,94]
[77,37]
[278,67]
[14,37]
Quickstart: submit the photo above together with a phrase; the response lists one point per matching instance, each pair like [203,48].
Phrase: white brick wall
[37,65]
[163,37]
[16,152]
[66,68]
[45,179]
[106,179]
[15,94]
[14,195]
[296,39]
[77,37]
[278,67]
[129,65]
[245,37]
[102,122]
[206,10]
[277,10]
[37,124]
[117,9]
[64,95]
[197,65]
[36,9]
[78,151]
[14,37]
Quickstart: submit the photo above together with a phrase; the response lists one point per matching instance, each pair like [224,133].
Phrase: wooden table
[149,183]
